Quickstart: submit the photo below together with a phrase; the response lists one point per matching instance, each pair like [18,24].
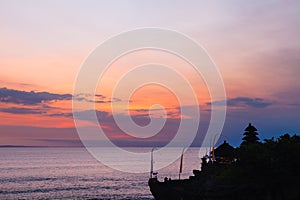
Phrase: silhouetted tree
[250,135]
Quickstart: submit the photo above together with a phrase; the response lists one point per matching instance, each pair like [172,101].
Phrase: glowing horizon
[254,45]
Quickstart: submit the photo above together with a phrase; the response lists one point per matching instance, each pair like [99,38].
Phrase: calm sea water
[72,173]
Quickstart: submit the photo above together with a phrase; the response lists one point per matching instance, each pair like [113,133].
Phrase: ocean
[72,173]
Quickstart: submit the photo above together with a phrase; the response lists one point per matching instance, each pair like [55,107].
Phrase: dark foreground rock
[260,171]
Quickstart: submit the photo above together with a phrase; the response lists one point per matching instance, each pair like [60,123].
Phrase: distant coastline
[23,146]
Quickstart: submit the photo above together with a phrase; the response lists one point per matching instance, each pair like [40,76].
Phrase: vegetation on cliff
[254,170]
[262,169]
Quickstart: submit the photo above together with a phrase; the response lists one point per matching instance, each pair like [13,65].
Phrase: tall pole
[151,164]
[213,148]
[181,161]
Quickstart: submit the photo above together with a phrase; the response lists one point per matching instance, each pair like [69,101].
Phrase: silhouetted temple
[250,135]
[254,170]
[225,153]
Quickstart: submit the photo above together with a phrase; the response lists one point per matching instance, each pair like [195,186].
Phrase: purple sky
[255,45]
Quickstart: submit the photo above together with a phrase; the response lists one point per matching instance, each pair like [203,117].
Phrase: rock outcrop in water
[254,170]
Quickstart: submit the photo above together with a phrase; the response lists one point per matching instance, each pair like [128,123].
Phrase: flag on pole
[213,154]
[181,161]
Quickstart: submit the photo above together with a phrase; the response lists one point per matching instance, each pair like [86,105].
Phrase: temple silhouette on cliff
[254,170]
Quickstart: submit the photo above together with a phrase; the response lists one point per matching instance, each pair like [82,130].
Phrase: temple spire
[250,135]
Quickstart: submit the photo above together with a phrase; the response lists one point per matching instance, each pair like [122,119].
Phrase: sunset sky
[255,44]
